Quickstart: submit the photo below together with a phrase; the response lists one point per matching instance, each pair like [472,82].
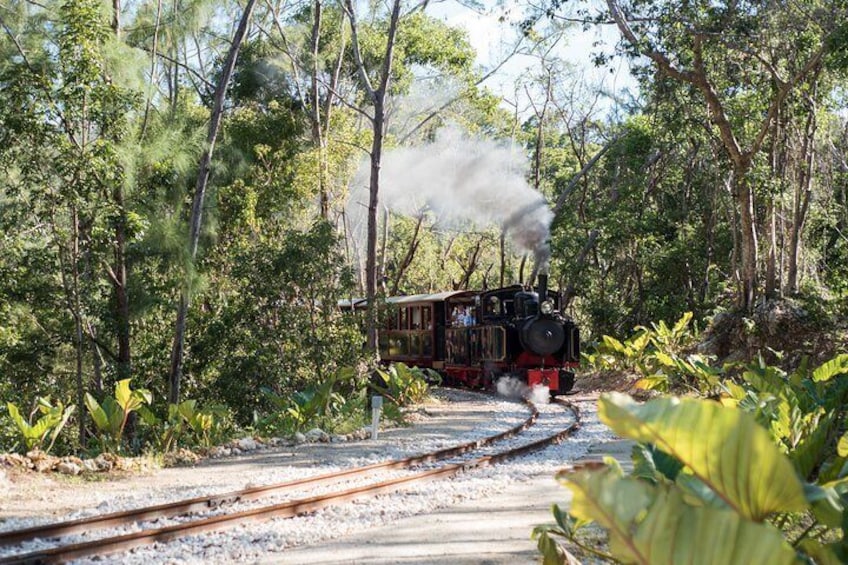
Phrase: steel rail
[204,503]
[283,510]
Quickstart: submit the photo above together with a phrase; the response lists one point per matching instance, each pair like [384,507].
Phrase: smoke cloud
[464,182]
[511,387]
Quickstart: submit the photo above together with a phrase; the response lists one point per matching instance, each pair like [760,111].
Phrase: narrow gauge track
[286,509]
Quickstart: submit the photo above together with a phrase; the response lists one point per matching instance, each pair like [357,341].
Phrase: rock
[181,457]
[68,468]
[103,462]
[338,439]
[299,438]
[89,465]
[235,451]
[247,444]
[45,464]
[317,434]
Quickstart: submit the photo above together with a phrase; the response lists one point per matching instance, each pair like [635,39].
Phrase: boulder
[299,438]
[317,434]
[247,444]
[68,468]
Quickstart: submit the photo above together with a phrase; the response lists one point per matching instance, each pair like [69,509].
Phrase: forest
[189,188]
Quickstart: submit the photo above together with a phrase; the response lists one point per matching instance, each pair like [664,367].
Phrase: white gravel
[263,541]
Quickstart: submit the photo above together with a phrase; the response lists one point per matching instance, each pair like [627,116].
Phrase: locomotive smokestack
[543,287]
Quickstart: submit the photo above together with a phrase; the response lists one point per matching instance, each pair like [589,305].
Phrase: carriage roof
[362,303]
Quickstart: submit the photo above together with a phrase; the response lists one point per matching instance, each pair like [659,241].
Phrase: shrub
[46,428]
[110,416]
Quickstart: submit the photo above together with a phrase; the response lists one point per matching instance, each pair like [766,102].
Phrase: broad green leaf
[187,408]
[655,525]
[607,498]
[665,359]
[653,464]
[123,393]
[23,425]
[58,426]
[654,382]
[639,341]
[682,323]
[826,503]
[675,532]
[101,420]
[723,447]
[613,344]
[821,554]
[842,447]
[836,366]
[148,416]
[697,493]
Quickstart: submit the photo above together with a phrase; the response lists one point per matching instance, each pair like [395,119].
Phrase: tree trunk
[410,255]
[177,352]
[748,240]
[317,137]
[772,284]
[803,192]
[371,242]
[578,265]
[378,99]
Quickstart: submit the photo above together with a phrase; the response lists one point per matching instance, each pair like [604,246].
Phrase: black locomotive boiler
[474,337]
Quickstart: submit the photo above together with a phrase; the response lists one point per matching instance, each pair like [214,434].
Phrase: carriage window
[415,317]
[402,319]
[493,306]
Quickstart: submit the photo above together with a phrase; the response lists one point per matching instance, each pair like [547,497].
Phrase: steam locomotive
[475,337]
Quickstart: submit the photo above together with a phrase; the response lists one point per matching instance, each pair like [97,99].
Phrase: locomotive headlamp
[547,307]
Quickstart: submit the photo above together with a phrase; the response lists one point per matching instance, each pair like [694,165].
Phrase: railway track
[289,508]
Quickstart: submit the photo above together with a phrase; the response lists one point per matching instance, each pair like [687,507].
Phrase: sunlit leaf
[723,447]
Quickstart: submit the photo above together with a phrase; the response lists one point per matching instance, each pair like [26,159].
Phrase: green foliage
[276,324]
[707,486]
[43,433]
[802,410]
[403,385]
[110,416]
[323,404]
[187,425]
[657,355]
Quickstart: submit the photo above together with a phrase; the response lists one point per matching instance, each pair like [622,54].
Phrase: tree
[701,45]
[196,216]
[377,99]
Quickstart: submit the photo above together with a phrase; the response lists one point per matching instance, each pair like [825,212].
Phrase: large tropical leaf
[653,524]
[98,414]
[842,447]
[723,447]
[614,502]
[836,366]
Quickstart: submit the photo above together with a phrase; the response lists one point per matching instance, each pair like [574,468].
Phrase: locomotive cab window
[493,306]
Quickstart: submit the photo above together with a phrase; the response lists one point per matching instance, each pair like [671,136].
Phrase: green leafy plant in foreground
[803,410]
[709,485]
[187,424]
[656,354]
[110,416]
[50,423]
[403,385]
[317,405]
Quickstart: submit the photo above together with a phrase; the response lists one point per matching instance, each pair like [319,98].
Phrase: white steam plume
[511,387]
[463,181]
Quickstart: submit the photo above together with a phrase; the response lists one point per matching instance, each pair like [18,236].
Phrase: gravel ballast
[458,417]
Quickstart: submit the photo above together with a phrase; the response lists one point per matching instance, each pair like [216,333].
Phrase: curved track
[288,508]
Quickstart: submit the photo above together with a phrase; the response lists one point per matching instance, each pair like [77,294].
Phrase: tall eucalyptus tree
[744,61]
